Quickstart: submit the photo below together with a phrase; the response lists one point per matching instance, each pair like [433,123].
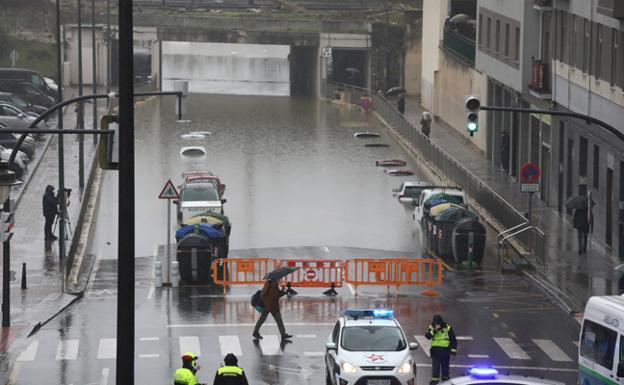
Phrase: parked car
[197,198]
[21,103]
[205,177]
[13,117]
[29,76]
[51,84]
[425,194]
[408,192]
[19,164]
[28,92]
[9,140]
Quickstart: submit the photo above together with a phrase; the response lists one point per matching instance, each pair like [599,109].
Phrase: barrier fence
[331,273]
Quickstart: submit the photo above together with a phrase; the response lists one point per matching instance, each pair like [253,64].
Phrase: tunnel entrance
[303,70]
[350,66]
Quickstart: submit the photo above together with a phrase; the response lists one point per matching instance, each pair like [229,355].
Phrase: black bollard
[24,275]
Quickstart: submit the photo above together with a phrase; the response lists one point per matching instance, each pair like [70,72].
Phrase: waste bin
[464,243]
[194,255]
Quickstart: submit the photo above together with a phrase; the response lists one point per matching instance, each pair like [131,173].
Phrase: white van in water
[426,194]
[601,343]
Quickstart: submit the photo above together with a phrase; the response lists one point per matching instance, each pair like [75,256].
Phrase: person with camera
[50,211]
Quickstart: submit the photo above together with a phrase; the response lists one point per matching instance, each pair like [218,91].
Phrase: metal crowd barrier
[241,271]
[314,273]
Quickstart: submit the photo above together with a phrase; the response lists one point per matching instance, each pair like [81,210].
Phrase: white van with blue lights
[369,347]
[487,375]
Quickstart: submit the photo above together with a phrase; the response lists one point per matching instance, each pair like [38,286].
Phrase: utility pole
[108,46]
[80,104]
[126,232]
[61,153]
[94,68]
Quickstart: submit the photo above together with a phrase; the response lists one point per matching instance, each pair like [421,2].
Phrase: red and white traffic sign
[169,191]
[530,173]
[310,274]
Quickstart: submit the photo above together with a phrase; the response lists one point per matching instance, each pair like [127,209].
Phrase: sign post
[169,192]
[529,176]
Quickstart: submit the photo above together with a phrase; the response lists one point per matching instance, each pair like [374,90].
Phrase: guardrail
[314,273]
[445,164]
[241,271]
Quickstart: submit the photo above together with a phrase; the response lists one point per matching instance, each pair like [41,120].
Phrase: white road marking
[151,293]
[149,338]
[149,355]
[104,376]
[247,324]
[464,338]
[512,349]
[305,335]
[230,344]
[314,354]
[553,351]
[67,349]
[107,348]
[351,288]
[30,352]
[190,344]
[478,356]
[511,367]
[270,345]
[424,343]
[326,249]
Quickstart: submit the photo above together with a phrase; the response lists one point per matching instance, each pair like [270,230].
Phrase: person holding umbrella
[270,295]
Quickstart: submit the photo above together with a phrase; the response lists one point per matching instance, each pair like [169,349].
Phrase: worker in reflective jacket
[230,373]
[443,344]
[186,374]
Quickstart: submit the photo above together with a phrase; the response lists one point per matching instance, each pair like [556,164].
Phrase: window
[199,192]
[598,68]
[498,33]
[367,338]
[517,46]
[563,38]
[583,157]
[480,29]
[596,167]
[574,41]
[585,55]
[7,111]
[598,344]
[489,32]
[614,52]
[506,40]
[336,332]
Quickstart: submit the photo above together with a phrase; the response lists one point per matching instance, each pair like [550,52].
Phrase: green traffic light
[472,126]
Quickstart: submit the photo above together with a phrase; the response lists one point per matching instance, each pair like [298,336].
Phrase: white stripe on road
[190,344]
[314,354]
[351,288]
[424,343]
[326,249]
[478,356]
[150,294]
[553,351]
[149,355]
[305,335]
[30,352]
[230,344]
[270,345]
[247,324]
[464,338]
[149,339]
[104,376]
[107,348]
[512,349]
[67,350]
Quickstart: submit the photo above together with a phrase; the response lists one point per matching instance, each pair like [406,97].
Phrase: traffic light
[473,105]
[8,222]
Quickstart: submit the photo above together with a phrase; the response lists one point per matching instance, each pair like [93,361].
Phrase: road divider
[242,271]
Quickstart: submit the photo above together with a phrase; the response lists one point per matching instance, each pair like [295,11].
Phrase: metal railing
[459,44]
[478,190]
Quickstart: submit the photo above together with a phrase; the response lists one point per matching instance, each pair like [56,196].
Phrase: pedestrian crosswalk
[270,345]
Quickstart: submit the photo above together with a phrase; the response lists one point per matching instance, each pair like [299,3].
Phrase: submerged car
[197,198]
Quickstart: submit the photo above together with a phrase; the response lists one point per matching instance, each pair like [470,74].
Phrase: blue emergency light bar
[369,313]
[483,373]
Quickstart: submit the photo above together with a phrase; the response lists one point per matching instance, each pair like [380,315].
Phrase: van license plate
[377,382]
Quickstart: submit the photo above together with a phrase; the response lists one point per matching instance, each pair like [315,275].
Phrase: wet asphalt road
[298,184]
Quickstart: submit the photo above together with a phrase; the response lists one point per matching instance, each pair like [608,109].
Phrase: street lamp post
[94,68]
[80,104]
[7,180]
[61,149]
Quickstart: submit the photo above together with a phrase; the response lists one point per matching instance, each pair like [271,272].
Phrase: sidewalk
[578,276]
[43,298]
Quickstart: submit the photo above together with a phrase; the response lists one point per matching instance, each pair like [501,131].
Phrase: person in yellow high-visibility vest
[186,374]
[230,373]
[443,344]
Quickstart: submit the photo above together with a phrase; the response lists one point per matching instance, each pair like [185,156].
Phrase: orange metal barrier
[241,271]
[314,273]
[394,272]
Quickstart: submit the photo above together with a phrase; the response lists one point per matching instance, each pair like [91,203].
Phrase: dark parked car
[9,140]
[21,103]
[29,76]
[28,92]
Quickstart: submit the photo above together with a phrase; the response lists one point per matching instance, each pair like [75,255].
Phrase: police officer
[230,373]
[186,374]
[443,344]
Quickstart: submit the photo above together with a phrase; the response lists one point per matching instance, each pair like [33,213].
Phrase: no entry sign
[310,274]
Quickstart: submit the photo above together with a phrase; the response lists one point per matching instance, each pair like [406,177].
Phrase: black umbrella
[280,273]
[352,70]
[395,90]
[577,202]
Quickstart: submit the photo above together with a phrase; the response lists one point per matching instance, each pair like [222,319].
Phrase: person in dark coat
[581,221]
[50,211]
[230,373]
[401,104]
[425,123]
[443,344]
[504,150]
[270,296]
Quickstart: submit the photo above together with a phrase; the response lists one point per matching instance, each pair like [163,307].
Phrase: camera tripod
[68,231]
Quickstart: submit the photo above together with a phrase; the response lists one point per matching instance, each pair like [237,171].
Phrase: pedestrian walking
[186,375]
[443,344]
[270,296]
[50,211]
[504,151]
[401,104]
[425,123]
[230,373]
[581,221]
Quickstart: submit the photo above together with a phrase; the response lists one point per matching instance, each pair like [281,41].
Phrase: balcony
[540,80]
[542,5]
[459,45]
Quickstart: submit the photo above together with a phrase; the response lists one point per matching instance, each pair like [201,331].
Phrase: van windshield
[598,343]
